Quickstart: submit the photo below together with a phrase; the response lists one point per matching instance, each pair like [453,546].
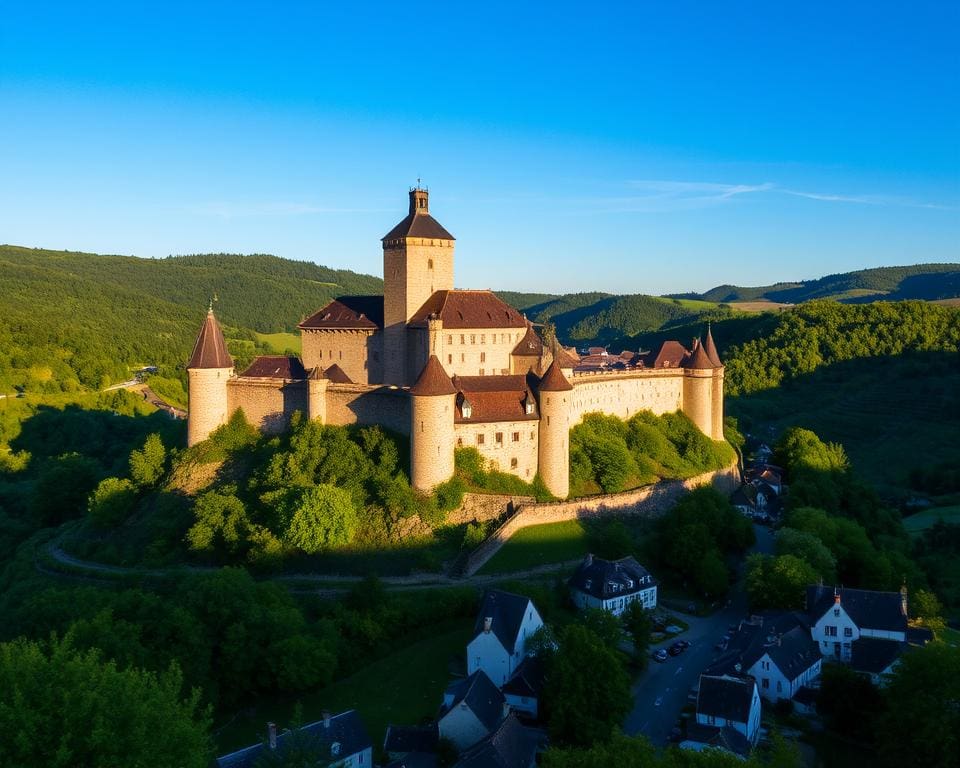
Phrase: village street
[660,693]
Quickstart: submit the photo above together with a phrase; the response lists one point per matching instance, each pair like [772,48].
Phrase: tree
[849,702]
[222,523]
[808,547]
[921,723]
[637,622]
[587,691]
[111,501]
[925,607]
[604,625]
[148,465]
[778,582]
[324,518]
[61,708]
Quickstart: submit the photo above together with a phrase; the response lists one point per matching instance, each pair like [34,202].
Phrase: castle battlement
[448,368]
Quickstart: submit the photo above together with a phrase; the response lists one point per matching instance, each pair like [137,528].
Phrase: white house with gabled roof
[504,626]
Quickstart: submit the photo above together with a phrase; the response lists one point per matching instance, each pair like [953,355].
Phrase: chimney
[272,735]
[836,595]
[487,623]
[326,719]
[588,560]
[903,600]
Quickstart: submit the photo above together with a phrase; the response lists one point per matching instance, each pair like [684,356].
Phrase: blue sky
[626,147]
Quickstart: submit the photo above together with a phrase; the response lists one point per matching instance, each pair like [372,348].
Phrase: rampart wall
[624,394]
[356,404]
[648,501]
[508,446]
[268,404]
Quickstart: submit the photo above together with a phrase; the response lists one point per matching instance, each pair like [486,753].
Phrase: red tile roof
[336,375]
[469,309]
[698,359]
[711,350]
[494,398]
[554,380]
[419,222]
[210,351]
[433,380]
[671,355]
[530,345]
[276,367]
[348,312]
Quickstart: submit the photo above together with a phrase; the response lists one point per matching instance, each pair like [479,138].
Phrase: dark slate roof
[493,398]
[869,609]
[506,611]
[415,760]
[711,349]
[511,746]
[433,380]
[527,679]
[530,345]
[411,738]
[725,696]
[480,695]
[346,729]
[347,313]
[604,579]
[554,380]
[210,350]
[336,375]
[785,637]
[873,655]
[468,309]
[276,367]
[670,355]
[725,738]
[419,222]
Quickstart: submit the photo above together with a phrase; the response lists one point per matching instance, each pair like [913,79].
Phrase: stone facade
[361,354]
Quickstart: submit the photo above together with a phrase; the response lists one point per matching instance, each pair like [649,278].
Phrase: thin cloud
[657,195]
[230,210]
[882,200]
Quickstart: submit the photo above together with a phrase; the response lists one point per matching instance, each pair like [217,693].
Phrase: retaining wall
[649,501]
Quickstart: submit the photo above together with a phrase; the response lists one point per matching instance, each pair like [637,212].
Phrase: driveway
[660,693]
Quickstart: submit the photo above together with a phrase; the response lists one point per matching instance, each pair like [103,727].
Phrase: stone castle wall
[481,507]
[357,352]
[519,441]
[356,404]
[268,404]
[208,402]
[476,351]
[649,501]
[625,394]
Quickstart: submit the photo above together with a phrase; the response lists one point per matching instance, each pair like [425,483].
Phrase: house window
[766,683]
[836,611]
[830,631]
[516,437]
[848,632]
[499,438]
[779,686]
[480,439]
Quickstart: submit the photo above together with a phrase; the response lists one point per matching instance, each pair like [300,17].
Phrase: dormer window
[466,409]
[528,404]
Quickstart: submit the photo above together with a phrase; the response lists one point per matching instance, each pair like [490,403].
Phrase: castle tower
[317,395]
[432,437]
[208,371]
[417,262]
[711,349]
[698,389]
[554,456]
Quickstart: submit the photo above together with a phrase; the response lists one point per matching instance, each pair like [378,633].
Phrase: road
[660,693]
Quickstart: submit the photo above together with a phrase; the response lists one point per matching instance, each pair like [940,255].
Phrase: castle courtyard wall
[357,352]
[357,404]
[268,404]
[625,394]
[501,454]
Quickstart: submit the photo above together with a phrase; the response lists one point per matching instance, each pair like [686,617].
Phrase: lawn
[280,342]
[540,545]
[923,520]
[401,688]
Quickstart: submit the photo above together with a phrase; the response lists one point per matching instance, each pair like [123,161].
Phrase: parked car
[677,648]
[660,655]
[683,643]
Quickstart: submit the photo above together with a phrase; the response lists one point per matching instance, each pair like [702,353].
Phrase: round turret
[554,450]
[208,372]
[317,395]
[698,382]
[711,349]
[432,439]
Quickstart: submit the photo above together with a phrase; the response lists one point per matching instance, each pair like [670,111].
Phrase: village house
[512,745]
[504,625]
[340,738]
[411,746]
[612,585]
[472,709]
[774,649]
[728,714]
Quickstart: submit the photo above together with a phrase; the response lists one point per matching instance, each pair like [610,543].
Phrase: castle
[449,368]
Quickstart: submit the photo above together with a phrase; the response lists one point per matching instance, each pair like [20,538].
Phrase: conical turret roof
[711,350]
[554,380]
[698,359]
[210,351]
[433,380]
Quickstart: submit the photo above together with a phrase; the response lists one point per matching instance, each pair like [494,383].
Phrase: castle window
[483,338]
[532,434]
[461,338]
[473,338]
[483,357]
[499,438]
[459,442]
[449,359]
[429,263]
[513,463]
[516,437]
[463,357]
[321,354]
[480,439]
[482,371]
[449,340]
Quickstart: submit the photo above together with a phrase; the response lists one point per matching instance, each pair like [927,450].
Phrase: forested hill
[929,282]
[69,319]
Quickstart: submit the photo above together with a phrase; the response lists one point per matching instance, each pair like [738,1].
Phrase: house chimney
[487,623]
[588,560]
[272,735]
[326,719]
[836,595]
[903,600]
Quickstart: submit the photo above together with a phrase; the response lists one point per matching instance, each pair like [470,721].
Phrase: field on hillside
[890,414]
[279,343]
[920,521]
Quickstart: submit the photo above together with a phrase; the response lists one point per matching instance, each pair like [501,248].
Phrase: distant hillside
[928,282]
[79,319]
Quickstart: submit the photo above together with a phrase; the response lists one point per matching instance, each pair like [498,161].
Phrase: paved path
[660,693]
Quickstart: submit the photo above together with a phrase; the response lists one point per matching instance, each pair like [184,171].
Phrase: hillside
[929,282]
[79,319]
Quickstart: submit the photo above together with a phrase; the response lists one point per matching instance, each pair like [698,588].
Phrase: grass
[280,342]
[401,689]
[923,520]
[539,545]
[951,637]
